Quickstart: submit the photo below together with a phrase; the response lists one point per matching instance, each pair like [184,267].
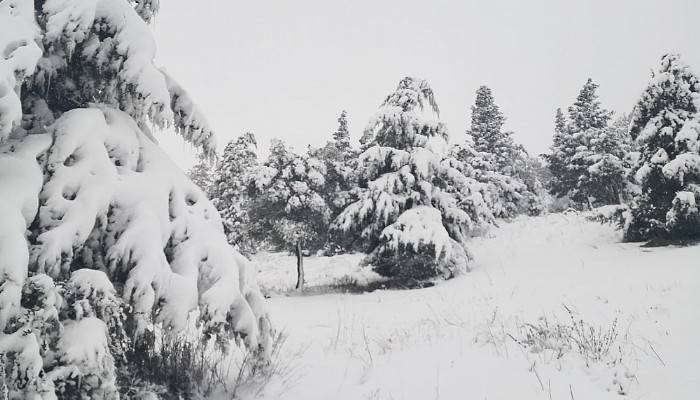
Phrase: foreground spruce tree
[408,217]
[666,128]
[102,238]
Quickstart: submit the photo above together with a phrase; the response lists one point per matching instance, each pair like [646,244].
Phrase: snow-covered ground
[452,341]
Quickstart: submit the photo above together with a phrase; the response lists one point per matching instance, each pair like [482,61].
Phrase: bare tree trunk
[300,267]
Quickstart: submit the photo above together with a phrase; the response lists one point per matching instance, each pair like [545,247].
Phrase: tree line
[410,200]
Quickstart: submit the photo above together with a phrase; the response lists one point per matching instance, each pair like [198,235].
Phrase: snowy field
[467,338]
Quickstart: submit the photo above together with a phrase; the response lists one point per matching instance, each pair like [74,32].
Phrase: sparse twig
[657,354]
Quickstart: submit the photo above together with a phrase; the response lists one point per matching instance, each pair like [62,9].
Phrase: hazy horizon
[286,70]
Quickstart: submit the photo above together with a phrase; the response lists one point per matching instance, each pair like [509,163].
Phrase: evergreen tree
[341,137]
[665,125]
[408,217]
[487,132]
[201,174]
[103,241]
[340,161]
[586,112]
[229,190]
[603,154]
[498,161]
[287,207]
[569,157]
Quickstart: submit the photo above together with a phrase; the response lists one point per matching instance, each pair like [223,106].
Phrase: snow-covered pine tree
[497,160]
[407,217]
[340,160]
[341,137]
[286,203]
[587,112]
[666,128]
[569,139]
[229,190]
[603,181]
[559,159]
[91,204]
[487,132]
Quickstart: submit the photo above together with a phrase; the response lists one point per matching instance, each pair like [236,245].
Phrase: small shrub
[174,366]
[180,367]
[592,344]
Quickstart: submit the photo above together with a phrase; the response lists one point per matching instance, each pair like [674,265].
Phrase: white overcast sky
[287,68]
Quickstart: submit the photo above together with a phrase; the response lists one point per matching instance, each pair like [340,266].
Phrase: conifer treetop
[673,94]
[587,112]
[342,134]
[409,117]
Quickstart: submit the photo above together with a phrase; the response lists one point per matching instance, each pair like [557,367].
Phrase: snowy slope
[452,341]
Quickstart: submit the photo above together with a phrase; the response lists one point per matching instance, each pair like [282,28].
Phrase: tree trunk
[300,267]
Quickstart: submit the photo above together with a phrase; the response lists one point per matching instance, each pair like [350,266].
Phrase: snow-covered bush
[418,246]
[407,207]
[102,237]
[666,128]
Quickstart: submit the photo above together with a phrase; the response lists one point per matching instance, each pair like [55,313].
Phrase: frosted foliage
[666,128]
[19,54]
[189,119]
[84,345]
[92,51]
[21,179]
[504,196]
[106,198]
[146,9]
